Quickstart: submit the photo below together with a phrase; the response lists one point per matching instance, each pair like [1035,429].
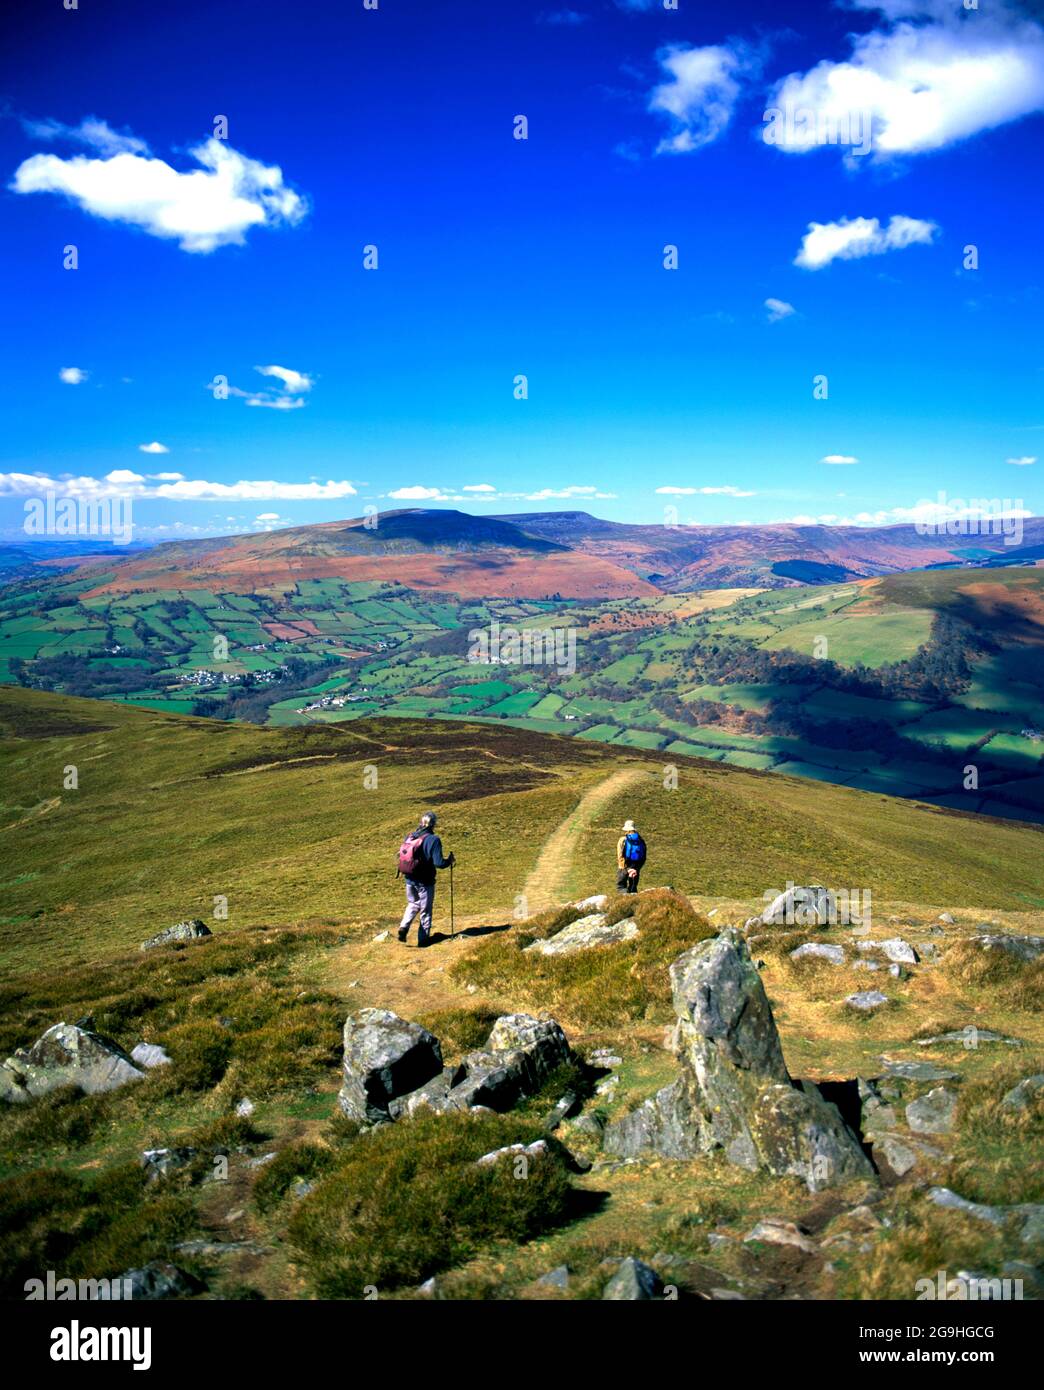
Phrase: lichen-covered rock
[814,906]
[191,930]
[149,1055]
[933,1113]
[384,1058]
[1024,948]
[819,950]
[520,1054]
[1020,1096]
[867,1000]
[66,1055]
[662,1124]
[633,1282]
[585,933]
[734,1092]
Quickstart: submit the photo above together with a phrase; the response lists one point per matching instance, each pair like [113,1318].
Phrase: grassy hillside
[170,812]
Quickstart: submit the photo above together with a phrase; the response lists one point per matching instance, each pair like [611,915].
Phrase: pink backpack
[410,857]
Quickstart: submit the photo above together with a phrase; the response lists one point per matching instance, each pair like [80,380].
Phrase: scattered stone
[734,1092]
[384,1058]
[585,933]
[245,1108]
[555,1278]
[1029,1215]
[567,1105]
[427,1289]
[814,906]
[717,1241]
[774,1231]
[900,952]
[159,1162]
[301,1187]
[66,1055]
[1020,1096]
[865,965]
[150,1055]
[898,972]
[1024,948]
[946,917]
[589,1124]
[538,1149]
[834,954]
[262,1161]
[898,1155]
[867,1000]
[919,1071]
[191,930]
[598,902]
[153,1282]
[933,1113]
[603,1057]
[382,936]
[970,1037]
[633,1282]
[728,1295]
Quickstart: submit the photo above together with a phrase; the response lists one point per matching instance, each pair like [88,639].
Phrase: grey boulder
[191,930]
[384,1058]
[813,906]
[583,934]
[933,1113]
[633,1282]
[66,1055]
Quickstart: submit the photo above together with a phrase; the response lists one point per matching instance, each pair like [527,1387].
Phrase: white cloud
[926,513]
[91,132]
[933,75]
[154,448]
[839,458]
[851,238]
[700,94]
[703,492]
[202,209]
[563,494]
[123,483]
[478,487]
[267,516]
[1023,462]
[167,477]
[72,376]
[778,309]
[292,381]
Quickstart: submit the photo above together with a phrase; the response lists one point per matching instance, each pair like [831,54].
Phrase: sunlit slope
[172,814]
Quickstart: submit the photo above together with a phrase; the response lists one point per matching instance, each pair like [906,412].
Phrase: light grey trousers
[420,897]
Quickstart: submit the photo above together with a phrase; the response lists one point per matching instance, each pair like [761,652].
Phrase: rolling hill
[281,841]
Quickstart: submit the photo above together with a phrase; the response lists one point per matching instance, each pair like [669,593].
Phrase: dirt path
[546,885]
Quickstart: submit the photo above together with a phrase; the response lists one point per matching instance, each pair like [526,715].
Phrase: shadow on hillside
[438,936]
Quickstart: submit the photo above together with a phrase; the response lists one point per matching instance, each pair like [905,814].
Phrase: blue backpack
[634,850]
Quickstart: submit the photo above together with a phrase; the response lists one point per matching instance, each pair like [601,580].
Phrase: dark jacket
[431,858]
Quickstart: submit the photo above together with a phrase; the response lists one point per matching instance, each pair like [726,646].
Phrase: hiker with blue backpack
[420,857]
[630,856]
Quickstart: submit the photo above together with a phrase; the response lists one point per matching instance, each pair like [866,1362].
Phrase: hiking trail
[546,884]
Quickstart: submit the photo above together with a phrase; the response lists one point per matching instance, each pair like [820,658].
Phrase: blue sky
[203,261]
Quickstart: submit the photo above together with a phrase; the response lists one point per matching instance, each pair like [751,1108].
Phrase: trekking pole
[452,928]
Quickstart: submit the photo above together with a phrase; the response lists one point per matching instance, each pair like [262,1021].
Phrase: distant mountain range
[545,554]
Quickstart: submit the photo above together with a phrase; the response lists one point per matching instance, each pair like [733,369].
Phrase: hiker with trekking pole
[420,858]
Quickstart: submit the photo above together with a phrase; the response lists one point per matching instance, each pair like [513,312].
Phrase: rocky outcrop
[393,1068]
[1024,948]
[819,950]
[734,1092]
[814,906]
[1026,1217]
[384,1058]
[633,1282]
[191,930]
[1021,1096]
[585,932]
[66,1055]
[520,1054]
